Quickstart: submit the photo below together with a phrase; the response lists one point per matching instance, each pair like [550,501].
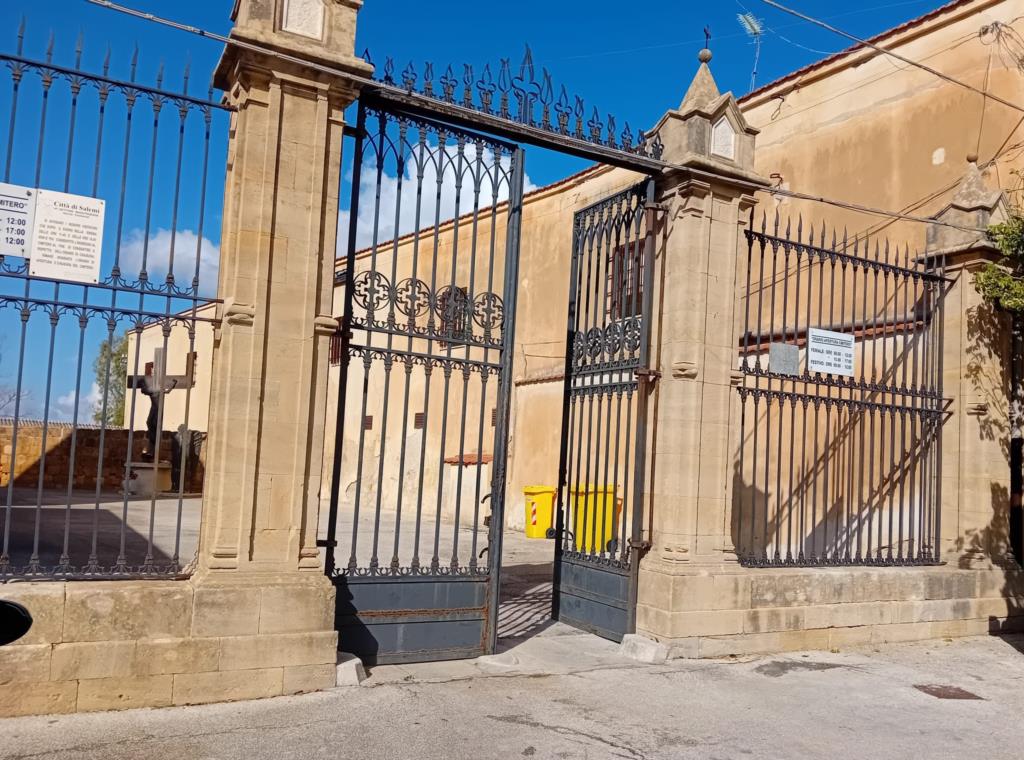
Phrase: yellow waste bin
[596,513]
[540,510]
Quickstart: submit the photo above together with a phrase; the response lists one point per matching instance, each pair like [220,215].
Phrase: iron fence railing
[842,406]
[93,479]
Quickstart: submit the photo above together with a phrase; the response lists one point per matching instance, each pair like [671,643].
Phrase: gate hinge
[325,543]
[640,544]
[648,373]
[655,206]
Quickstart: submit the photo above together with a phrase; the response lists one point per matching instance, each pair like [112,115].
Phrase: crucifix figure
[155,384]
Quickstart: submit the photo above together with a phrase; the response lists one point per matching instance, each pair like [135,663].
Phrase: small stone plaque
[784,359]
[723,139]
[305,17]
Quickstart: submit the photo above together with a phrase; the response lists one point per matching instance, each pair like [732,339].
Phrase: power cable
[367,81]
[891,53]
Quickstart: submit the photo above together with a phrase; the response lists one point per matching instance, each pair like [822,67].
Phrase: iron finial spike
[467,74]
[21,36]
[563,97]
[106,62]
[188,72]
[366,56]
[526,68]
[778,221]
[79,45]
[134,63]
[822,240]
[580,108]
[886,249]
[160,76]
[409,77]
[764,219]
[504,76]
[49,48]
[546,89]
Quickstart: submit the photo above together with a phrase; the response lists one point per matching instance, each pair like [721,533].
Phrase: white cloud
[437,203]
[64,408]
[157,253]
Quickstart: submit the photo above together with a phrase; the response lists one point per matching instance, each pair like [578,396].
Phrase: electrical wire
[362,80]
[891,53]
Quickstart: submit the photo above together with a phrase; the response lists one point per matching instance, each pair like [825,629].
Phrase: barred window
[455,309]
[335,350]
[625,281]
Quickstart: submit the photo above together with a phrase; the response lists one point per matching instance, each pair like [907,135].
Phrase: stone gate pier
[256,616]
[753,555]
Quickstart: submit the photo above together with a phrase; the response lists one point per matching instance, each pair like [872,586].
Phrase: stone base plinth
[148,479]
[111,645]
[729,610]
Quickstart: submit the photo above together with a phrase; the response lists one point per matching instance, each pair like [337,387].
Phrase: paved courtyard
[565,694]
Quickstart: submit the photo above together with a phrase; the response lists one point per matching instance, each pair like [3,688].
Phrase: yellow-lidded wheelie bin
[540,510]
[596,513]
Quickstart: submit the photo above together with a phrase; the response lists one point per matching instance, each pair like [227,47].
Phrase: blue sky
[633,61]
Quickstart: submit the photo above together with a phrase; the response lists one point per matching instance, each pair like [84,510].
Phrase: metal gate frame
[853,457]
[595,584]
[392,614]
[522,109]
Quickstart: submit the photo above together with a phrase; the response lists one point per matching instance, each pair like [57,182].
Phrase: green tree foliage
[114,360]
[1002,282]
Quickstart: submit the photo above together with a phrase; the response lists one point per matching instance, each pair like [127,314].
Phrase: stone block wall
[87,454]
[115,645]
[762,611]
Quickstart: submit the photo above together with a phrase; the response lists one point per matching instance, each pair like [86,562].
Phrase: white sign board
[67,237]
[830,353]
[17,209]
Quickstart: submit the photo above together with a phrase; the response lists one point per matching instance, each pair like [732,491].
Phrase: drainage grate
[945,692]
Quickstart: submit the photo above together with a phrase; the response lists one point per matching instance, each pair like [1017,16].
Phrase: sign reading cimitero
[59,233]
[830,353]
[17,210]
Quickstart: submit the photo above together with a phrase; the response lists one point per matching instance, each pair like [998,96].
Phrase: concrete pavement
[565,694]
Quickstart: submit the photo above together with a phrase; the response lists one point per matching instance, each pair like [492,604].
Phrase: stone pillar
[974,467]
[269,386]
[701,250]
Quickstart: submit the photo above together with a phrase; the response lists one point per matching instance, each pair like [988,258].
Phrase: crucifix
[155,384]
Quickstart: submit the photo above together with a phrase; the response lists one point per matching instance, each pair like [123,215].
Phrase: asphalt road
[562,694]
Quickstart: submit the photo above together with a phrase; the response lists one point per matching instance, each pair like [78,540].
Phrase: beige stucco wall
[864,129]
[538,364]
[179,343]
[872,130]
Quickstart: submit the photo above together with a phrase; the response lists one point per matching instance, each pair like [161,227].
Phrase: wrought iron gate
[599,518]
[842,405]
[424,377]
